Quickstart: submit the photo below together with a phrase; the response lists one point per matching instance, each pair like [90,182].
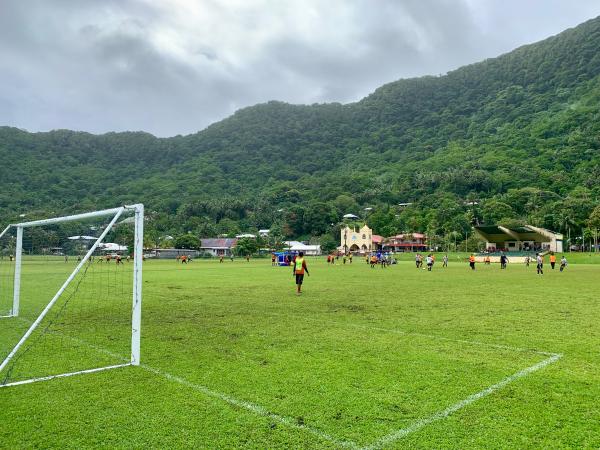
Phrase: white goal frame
[136,315]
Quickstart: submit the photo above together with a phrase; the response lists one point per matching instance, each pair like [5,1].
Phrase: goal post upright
[138,256]
[14,312]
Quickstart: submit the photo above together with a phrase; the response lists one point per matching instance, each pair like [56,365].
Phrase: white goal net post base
[136,312]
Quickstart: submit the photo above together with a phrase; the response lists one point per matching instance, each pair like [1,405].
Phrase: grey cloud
[138,65]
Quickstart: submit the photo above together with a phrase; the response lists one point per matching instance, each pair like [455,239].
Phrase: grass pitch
[395,357]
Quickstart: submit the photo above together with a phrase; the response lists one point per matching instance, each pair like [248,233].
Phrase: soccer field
[364,358]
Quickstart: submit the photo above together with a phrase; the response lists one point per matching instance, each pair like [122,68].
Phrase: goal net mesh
[89,326]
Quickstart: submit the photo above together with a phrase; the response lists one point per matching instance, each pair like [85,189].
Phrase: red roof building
[408,242]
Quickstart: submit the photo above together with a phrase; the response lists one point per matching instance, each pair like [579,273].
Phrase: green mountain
[514,138]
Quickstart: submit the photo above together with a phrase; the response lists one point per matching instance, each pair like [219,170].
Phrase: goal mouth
[69,286]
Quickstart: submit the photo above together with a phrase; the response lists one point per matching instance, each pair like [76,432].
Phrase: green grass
[361,354]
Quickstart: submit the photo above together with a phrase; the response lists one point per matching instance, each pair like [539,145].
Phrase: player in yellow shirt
[298,269]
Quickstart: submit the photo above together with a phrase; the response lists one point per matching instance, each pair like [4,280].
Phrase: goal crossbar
[137,279]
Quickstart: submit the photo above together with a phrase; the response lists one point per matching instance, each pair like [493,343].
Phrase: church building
[356,241]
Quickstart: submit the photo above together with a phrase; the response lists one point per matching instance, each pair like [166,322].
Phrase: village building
[296,246]
[526,238]
[356,241]
[406,242]
[218,246]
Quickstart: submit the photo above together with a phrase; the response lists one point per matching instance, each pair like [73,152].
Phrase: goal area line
[64,375]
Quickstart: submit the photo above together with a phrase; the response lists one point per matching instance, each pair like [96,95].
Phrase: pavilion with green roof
[522,239]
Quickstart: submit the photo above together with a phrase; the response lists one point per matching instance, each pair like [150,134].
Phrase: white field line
[63,375]
[252,407]
[396,435]
[390,438]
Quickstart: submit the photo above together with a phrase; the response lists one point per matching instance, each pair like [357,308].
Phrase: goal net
[70,295]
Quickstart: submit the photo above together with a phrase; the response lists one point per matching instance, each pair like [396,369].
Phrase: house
[218,246]
[407,242]
[263,233]
[526,238]
[378,242]
[246,235]
[309,250]
[112,247]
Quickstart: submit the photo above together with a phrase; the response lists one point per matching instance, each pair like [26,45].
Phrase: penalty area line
[416,426]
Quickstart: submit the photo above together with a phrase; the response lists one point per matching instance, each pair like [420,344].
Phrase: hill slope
[519,133]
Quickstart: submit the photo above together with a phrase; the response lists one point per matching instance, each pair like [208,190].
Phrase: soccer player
[183,259]
[539,259]
[118,259]
[273,263]
[445,260]
[472,261]
[344,259]
[527,261]
[429,262]
[503,261]
[373,260]
[350,258]
[563,263]
[552,260]
[298,270]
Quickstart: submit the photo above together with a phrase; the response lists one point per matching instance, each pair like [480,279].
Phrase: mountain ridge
[523,120]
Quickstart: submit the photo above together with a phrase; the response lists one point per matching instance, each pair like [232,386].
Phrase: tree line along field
[364,358]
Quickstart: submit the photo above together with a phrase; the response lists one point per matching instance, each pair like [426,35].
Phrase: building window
[364,236]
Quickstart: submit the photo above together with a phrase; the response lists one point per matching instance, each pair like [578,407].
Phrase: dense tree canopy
[512,139]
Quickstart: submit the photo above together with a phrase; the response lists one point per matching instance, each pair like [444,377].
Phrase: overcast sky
[175,66]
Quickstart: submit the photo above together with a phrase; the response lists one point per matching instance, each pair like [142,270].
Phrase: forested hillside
[519,135]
